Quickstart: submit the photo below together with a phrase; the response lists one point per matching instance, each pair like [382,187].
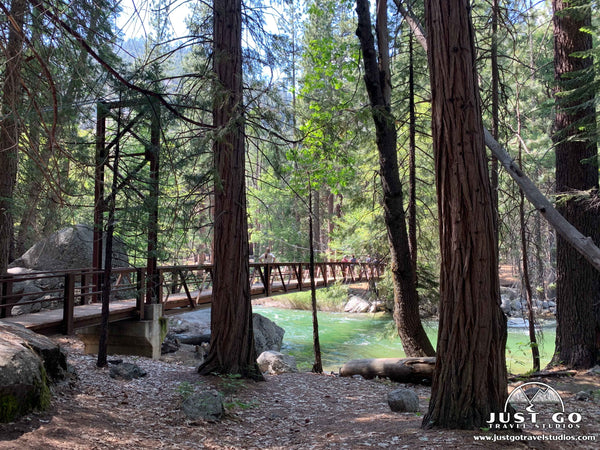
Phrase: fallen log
[543,374]
[403,370]
[193,339]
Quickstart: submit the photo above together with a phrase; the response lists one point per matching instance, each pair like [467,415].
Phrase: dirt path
[291,411]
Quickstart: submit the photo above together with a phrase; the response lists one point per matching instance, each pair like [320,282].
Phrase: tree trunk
[316,211]
[535,351]
[578,283]
[232,348]
[412,163]
[470,378]
[9,128]
[584,245]
[495,114]
[318,364]
[377,80]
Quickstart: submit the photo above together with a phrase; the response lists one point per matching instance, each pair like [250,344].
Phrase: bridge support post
[130,337]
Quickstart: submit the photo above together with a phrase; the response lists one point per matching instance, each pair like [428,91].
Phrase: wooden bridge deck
[175,293]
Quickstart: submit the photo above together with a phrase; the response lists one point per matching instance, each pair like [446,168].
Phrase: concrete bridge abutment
[130,337]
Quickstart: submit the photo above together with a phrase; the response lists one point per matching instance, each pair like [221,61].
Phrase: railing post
[300,276]
[140,291]
[5,293]
[68,304]
[85,290]
[268,279]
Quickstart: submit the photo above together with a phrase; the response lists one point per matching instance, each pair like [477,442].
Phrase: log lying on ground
[193,339]
[403,370]
[543,374]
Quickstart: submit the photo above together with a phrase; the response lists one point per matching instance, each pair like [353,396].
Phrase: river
[346,336]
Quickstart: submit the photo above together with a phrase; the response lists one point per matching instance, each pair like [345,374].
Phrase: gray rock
[506,305]
[194,328]
[594,371]
[583,396]
[509,293]
[205,406]
[357,304]
[267,334]
[170,345]
[377,306]
[403,400]
[28,364]
[126,371]
[275,363]
[53,357]
[69,248]
[29,291]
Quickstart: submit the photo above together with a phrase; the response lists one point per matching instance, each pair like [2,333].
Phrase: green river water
[355,336]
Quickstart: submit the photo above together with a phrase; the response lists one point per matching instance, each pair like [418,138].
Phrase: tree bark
[495,113]
[470,377]
[377,80]
[232,348]
[9,128]
[578,283]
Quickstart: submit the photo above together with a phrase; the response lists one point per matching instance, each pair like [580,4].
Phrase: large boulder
[193,328]
[29,362]
[267,334]
[69,248]
[357,304]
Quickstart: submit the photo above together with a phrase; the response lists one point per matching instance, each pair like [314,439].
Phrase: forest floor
[288,411]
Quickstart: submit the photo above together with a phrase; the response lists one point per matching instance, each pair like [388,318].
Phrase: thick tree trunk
[495,113]
[232,338]
[9,128]
[578,283]
[470,378]
[401,370]
[377,80]
[584,245]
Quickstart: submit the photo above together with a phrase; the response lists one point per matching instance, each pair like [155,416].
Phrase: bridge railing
[182,286]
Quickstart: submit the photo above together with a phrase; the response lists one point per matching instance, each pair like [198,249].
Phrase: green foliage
[427,288]
[230,385]
[332,298]
[185,389]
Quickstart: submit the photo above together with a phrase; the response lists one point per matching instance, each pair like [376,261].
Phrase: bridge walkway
[76,299]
